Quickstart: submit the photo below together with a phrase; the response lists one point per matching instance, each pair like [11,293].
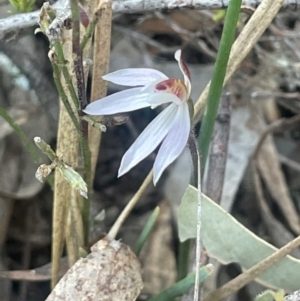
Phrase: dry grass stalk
[102,40]
[67,217]
[67,147]
[253,30]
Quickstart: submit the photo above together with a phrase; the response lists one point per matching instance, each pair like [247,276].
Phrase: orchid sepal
[134,76]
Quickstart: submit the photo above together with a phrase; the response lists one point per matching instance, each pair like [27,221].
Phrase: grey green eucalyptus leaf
[229,241]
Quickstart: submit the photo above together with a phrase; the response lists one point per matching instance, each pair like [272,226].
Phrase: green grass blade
[216,85]
[146,231]
[183,286]
[30,147]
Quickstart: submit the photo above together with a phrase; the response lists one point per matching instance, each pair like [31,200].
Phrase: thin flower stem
[90,31]
[184,264]
[63,96]
[103,5]
[68,134]
[197,175]
[199,223]
[84,147]
[216,85]
[82,103]
[58,61]
[87,177]
[98,125]
[45,148]
[59,64]
[126,211]
[77,55]
[28,145]
[62,64]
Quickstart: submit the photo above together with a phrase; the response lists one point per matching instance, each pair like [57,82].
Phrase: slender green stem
[45,148]
[82,103]
[146,231]
[62,64]
[71,176]
[90,30]
[28,145]
[197,175]
[50,12]
[182,286]
[89,33]
[63,96]
[216,85]
[87,177]
[184,258]
[98,125]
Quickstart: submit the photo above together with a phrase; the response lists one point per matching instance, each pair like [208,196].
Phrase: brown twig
[126,211]
[277,231]
[290,95]
[290,163]
[20,21]
[282,124]
[237,283]
[26,251]
[218,151]
[77,55]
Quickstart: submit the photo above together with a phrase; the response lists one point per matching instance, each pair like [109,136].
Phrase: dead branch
[218,151]
[20,21]
[133,6]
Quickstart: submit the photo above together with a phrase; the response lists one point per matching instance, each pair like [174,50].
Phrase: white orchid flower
[171,127]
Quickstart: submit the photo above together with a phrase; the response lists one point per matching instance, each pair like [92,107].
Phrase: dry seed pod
[110,272]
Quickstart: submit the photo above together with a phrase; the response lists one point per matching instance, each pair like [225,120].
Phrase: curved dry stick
[258,23]
[126,211]
[232,286]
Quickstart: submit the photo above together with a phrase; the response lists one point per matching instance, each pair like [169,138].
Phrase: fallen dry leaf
[110,272]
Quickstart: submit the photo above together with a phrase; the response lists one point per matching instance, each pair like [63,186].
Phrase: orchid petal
[124,101]
[149,139]
[184,69]
[134,76]
[159,98]
[174,142]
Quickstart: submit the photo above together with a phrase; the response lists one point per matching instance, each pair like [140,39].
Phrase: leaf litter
[112,195]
